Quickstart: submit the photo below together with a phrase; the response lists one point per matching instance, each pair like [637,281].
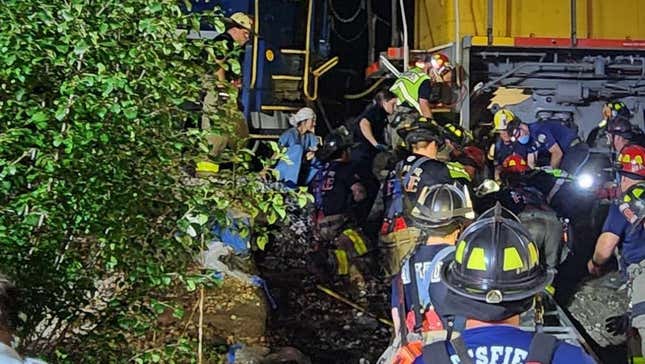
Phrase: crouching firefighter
[440,214]
[405,183]
[337,189]
[494,276]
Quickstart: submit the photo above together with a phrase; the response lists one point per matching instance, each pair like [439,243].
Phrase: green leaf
[61,113]
[262,241]
[178,313]
[190,285]
[39,117]
[130,113]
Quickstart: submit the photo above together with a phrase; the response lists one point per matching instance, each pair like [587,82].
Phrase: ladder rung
[286,77]
[263,136]
[293,51]
[279,108]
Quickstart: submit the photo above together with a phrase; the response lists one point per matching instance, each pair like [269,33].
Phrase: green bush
[91,150]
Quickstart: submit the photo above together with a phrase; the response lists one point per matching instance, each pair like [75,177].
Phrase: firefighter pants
[545,228]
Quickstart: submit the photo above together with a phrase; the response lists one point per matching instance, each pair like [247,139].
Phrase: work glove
[381,147]
[618,325]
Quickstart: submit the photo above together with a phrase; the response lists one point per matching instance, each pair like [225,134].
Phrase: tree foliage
[92,146]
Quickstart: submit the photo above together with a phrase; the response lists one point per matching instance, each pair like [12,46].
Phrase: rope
[347,40]
[361,6]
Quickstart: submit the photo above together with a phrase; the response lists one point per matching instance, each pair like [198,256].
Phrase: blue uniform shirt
[544,134]
[632,241]
[503,150]
[419,264]
[501,344]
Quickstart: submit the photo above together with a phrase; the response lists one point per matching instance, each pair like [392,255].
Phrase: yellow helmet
[242,20]
[502,118]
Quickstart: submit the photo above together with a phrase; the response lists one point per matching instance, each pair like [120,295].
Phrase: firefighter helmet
[495,262]
[502,118]
[514,163]
[457,135]
[441,205]
[615,108]
[438,60]
[620,125]
[632,162]
[633,204]
[337,140]
[422,130]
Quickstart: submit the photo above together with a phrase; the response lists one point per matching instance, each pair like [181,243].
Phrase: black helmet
[620,125]
[441,205]
[633,205]
[496,262]
[457,135]
[336,141]
[422,130]
[616,108]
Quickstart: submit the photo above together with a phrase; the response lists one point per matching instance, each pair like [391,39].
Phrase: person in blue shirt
[493,277]
[565,149]
[440,214]
[504,146]
[301,144]
[618,231]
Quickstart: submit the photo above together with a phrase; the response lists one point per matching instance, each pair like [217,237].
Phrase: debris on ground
[323,328]
[595,301]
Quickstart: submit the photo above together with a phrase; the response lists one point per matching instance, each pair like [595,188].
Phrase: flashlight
[585,181]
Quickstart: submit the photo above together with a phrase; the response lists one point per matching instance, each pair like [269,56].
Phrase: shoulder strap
[541,349]
[437,352]
[417,163]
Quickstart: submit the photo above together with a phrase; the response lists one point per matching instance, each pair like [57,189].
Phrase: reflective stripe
[533,255]
[456,170]
[459,255]
[405,95]
[477,259]
[512,259]
[341,259]
[357,240]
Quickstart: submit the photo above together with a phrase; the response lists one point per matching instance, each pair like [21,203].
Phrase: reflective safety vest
[406,87]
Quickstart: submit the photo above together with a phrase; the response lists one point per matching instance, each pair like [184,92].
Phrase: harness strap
[437,352]
[541,349]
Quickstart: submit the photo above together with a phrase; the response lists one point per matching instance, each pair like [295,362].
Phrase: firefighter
[504,145]
[228,51]
[441,74]
[337,189]
[493,277]
[565,149]
[622,132]
[618,232]
[440,213]
[413,89]
[609,111]
[230,46]
[525,194]
[406,182]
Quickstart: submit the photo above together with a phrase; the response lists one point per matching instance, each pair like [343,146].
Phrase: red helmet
[515,163]
[477,155]
[632,161]
[438,60]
